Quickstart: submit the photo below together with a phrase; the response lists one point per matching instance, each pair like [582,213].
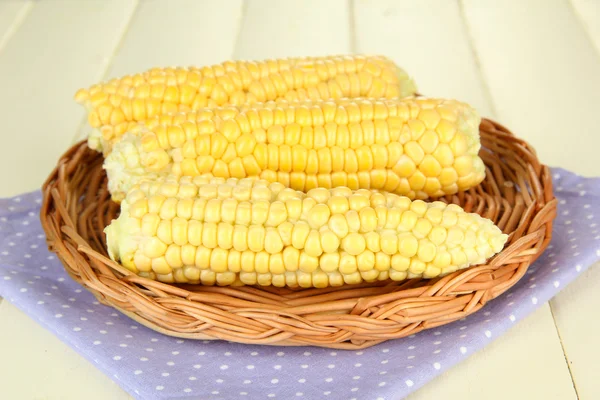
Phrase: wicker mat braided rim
[516,194]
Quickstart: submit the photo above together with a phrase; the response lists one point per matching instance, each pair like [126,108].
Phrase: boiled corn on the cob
[415,147]
[218,231]
[114,106]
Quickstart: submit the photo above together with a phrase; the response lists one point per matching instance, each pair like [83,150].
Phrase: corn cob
[114,106]
[415,147]
[218,231]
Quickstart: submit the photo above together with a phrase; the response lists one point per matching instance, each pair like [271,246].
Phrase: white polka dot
[463,350]
[411,347]
[385,361]
[219,381]
[192,378]
[271,395]
[299,394]
[302,380]
[77,329]
[356,377]
[201,353]
[333,353]
[165,374]
[354,389]
[274,381]
[277,366]
[330,366]
[582,193]
[357,364]
[382,372]
[39,302]
[327,393]
[488,334]
[534,300]
[409,383]
[143,359]
[250,366]
[556,284]
[7,278]
[512,318]
[215,392]
[174,353]
[328,379]
[280,354]
[359,353]
[137,371]
[409,357]
[154,340]
[116,358]
[187,390]
[254,353]
[568,222]
[27,256]
[578,268]
[58,316]
[243,393]
[170,363]
[160,387]
[437,342]
[5,253]
[224,367]
[150,349]
[307,353]
[97,342]
[385,350]
[437,352]
[463,336]
[586,206]
[304,366]
[197,366]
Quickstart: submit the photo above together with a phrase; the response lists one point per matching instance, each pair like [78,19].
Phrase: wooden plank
[589,13]
[574,311]
[284,29]
[61,46]
[37,365]
[187,32]
[12,14]
[433,47]
[542,72]
[525,363]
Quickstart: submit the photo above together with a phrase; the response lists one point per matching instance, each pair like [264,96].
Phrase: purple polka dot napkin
[152,366]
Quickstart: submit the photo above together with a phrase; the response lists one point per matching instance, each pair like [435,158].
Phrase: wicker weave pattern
[516,194]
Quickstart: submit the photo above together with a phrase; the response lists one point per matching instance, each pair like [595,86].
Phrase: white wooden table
[534,65]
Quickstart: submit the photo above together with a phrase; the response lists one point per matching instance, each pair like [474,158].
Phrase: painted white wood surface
[575,312]
[273,29]
[589,13]
[12,13]
[515,366]
[42,65]
[432,46]
[36,365]
[465,50]
[543,75]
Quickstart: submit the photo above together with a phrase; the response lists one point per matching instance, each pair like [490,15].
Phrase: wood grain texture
[36,355]
[543,76]
[292,28]
[524,363]
[435,51]
[41,67]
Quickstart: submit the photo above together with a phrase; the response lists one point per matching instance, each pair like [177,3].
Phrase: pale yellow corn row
[114,106]
[415,147]
[217,231]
